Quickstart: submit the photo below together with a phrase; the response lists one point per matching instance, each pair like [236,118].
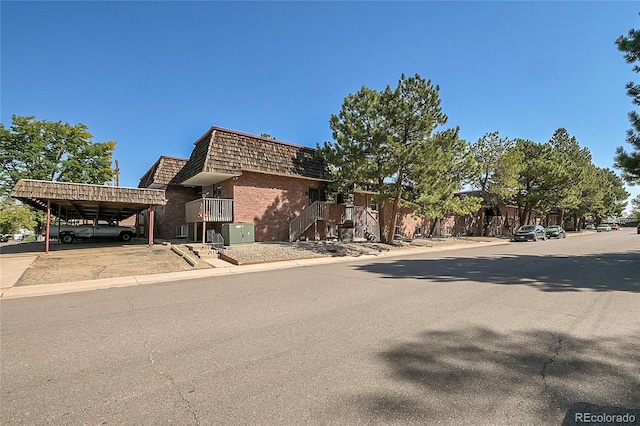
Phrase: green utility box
[238,233]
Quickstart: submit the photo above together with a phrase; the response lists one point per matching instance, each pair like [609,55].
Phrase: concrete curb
[106,283]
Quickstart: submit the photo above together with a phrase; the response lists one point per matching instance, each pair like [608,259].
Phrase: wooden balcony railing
[209,210]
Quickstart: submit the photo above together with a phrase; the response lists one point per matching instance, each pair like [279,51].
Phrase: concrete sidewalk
[12,268]
[17,265]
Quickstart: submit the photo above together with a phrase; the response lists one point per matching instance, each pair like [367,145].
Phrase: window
[418,230]
[373,204]
[181,231]
[398,231]
[218,192]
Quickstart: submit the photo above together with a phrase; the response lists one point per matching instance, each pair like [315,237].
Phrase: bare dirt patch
[80,263]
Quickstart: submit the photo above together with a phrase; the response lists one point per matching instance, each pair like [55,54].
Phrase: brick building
[236,177]
[280,188]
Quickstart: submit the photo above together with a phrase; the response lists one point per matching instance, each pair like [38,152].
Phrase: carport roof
[84,201]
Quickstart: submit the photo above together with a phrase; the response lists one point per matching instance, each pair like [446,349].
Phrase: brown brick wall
[227,187]
[336,212]
[270,202]
[310,234]
[172,215]
[362,199]
[406,221]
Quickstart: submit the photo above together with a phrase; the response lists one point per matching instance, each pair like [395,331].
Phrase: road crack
[551,360]
[152,363]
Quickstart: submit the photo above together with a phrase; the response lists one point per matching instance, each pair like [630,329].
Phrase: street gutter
[106,283]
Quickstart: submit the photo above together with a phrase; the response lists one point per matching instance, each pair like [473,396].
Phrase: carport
[83,201]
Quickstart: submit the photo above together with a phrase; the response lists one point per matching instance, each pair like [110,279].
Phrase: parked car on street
[614,226]
[555,231]
[530,233]
[638,228]
[603,228]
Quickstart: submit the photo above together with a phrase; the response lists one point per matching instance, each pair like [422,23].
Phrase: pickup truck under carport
[67,233]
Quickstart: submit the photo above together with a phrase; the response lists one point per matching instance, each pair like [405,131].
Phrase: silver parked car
[603,228]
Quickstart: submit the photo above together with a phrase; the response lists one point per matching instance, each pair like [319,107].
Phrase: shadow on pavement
[598,272]
[478,376]
[37,247]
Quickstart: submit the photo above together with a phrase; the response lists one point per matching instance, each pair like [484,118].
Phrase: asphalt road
[524,333]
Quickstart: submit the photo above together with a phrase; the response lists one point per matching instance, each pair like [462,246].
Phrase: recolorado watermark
[604,418]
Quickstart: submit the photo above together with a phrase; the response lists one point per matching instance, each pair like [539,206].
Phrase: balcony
[209,210]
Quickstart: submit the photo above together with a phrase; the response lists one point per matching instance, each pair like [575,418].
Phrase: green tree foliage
[635,208]
[499,168]
[15,216]
[573,193]
[53,151]
[560,175]
[629,162]
[591,194]
[563,142]
[542,180]
[499,165]
[380,138]
[612,194]
[450,165]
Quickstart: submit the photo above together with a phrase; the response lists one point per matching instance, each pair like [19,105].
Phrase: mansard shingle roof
[163,172]
[227,151]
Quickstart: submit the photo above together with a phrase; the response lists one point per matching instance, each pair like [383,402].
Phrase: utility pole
[116,174]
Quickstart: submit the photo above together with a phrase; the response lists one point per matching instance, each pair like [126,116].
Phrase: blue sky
[154,76]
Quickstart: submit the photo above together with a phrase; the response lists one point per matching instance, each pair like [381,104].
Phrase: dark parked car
[555,231]
[638,228]
[530,233]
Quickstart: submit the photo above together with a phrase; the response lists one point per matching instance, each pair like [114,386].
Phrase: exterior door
[314,195]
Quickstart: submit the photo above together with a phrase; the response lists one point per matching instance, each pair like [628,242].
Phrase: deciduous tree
[15,216]
[53,151]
